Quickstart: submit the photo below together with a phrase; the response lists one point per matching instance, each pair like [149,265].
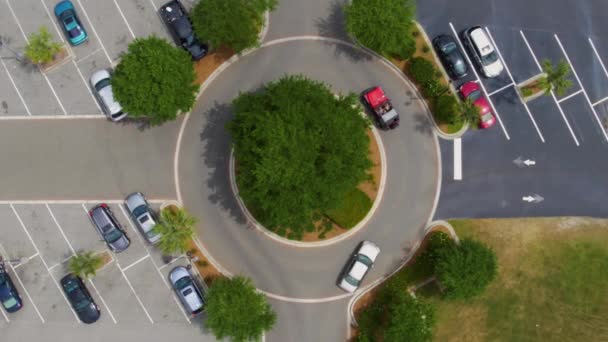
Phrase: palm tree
[85,264]
[469,112]
[175,227]
[556,79]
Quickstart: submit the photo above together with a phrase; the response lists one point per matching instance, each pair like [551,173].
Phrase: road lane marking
[501,89]
[27,293]
[60,229]
[580,84]
[542,138]
[135,293]
[598,57]
[89,55]
[86,85]
[44,263]
[559,107]
[125,19]
[102,300]
[457,159]
[27,109]
[483,88]
[5,316]
[94,31]
[600,101]
[82,201]
[136,262]
[570,96]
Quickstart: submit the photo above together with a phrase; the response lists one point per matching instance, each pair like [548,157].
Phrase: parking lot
[131,290]
[26,90]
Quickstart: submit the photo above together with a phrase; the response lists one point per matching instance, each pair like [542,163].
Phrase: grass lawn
[552,283]
[352,210]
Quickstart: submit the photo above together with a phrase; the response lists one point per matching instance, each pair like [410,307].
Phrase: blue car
[9,297]
[66,14]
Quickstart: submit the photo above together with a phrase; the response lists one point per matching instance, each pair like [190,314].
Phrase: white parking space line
[102,301]
[513,82]
[501,88]
[59,33]
[559,107]
[457,159]
[600,101]
[86,85]
[580,84]
[130,224]
[83,201]
[5,316]
[60,229]
[15,86]
[135,293]
[125,19]
[89,55]
[44,262]
[570,96]
[598,57]
[84,11]
[135,262]
[27,293]
[483,88]
[172,261]
[55,93]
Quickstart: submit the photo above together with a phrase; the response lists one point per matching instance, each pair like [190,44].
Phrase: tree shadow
[423,124]
[216,157]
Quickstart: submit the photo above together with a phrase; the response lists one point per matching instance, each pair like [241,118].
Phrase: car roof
[101,217]
[481,40]
[134,200]
[358,270]
[369,249]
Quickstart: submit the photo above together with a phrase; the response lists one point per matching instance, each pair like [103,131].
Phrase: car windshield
[489,58]
[487,117]
[449,47]
[183,282]
[187,291]
[75,32]
[150,234]
[102,84]
[68,21]
[140,210]
[9,303]
[144,219]
[364,260]
[115,115]
[113,235]
[474,95]
[349,279]
[77,296]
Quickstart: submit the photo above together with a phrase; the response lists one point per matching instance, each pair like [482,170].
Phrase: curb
[530,80]
[294,243]
[429,228]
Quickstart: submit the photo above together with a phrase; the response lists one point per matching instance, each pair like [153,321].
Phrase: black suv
[175,17]
[80,299]
[108,227]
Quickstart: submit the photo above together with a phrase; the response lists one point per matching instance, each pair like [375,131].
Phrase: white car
[187,290]
[100,81]
[142,215]
[483,52]
[358,265]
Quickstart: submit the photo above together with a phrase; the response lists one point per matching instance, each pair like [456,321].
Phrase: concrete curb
[429,228]
[525,83]
[293,243]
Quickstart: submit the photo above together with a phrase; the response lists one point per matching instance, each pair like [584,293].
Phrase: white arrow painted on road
[519,162]
[534,198]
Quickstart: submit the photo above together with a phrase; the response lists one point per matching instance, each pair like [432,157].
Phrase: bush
[446,109]
[433,89]
[464,270]
[353,208]
[384,26]
[421,70]
[41,48]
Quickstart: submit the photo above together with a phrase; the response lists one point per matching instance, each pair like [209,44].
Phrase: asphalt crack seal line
[234,59]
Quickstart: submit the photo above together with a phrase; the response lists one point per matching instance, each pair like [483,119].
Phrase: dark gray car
[451,56]
[109,228]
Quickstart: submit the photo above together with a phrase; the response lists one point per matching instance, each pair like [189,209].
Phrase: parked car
[450,55]
[187,291]
[109,228]
[142,215]
[71,25]
[9,296]
[358,266]
[484,54]
[176,18]
[102,87]
[80,299]
[377,101]
[471,91]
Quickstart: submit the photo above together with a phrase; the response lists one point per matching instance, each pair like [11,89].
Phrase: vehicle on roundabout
[71,25]
[377,101]
[9,296]
[358,265]
[79,297]
[471,91]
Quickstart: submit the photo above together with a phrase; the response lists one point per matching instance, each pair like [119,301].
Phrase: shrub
[433,89]
[426,48]
[41,48]
[85,264]
[525,91]
[446,109]
[352,209]
[421,70]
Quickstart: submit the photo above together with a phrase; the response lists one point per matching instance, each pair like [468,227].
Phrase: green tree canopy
[469,112]
[41,48]
[175,227]
[299,150]
[557,77]
[85,264]
[237,310]
[232,23]
[464,270]
[384,26]
[154,80]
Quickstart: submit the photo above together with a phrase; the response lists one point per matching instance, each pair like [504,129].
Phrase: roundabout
[203,167]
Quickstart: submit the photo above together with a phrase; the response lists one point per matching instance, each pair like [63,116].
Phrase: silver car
[187,291]
[142,215]
[109,228]
[100,81]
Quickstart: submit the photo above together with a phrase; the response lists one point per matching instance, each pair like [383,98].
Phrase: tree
[469,112]
[41,48]
[85,264]
[557,77]
[232,23]
[465,270]
[176,228]
[299,151]
[237,310]
[384,26]
[155,80]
